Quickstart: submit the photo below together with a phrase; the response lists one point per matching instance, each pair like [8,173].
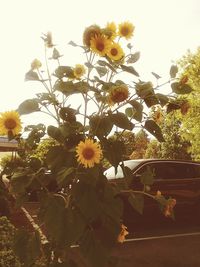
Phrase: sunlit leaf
[129,69]
[154,129]
[28,106]
[133,58]
[173,71]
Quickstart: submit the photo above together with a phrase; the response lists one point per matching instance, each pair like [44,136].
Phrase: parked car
[177,179]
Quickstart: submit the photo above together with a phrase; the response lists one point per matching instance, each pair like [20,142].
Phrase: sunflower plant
[79,210]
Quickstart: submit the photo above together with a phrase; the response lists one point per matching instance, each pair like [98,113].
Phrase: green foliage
[77,204]
[140,145]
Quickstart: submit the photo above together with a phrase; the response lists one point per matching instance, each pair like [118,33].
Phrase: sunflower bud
[89,33]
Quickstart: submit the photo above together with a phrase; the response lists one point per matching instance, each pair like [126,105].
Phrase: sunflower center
[88,153]
[100,46]
[125,31]
[114,51]
[118,97]
[78,71]
[10,124]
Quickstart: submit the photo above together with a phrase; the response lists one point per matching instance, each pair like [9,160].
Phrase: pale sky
[164,31]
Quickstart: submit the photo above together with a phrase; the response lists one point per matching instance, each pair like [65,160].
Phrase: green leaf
[64,176]
[67,88]
[64,71]
[137,202]
[173,71]
[101,126]
[179,88]
[120,120]
[133,58]
[56,55]
[151,100]
[88,65]
[72,43]
[28,106]
[27,246]
[55,133]
[31,76]
[156,75]
[172,106]
[138,108]
[129,112]
[101,71]
[56,157]
[20,181]
[81,87]
[113,151]
[129,69]
[154,129]
[163,99]
[104,63]
[147,177]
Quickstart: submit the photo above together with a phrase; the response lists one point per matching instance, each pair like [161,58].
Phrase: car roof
[136,163]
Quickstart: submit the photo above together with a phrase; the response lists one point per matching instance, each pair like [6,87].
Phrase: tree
[190,74]
[140,146]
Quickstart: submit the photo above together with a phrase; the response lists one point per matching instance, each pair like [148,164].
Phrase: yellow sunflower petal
[88,153]
[79,71]
[126,30]
[115,52]
[117,94]
[10,122]
[100,44]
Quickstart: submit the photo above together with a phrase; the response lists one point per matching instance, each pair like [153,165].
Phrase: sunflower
[115,52]
[117,94]
[35,64]
[100,44]
[122,235]
[88,153]
[111,30]
[126,30]
[90,32]
[79,71]
[10,122]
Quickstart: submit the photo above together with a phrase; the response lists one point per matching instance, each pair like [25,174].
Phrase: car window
[110,173]
[172,170]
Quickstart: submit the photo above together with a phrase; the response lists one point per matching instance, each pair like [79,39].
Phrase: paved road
[170,245]
[171,251]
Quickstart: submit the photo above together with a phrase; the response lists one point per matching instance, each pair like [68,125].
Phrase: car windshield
[110,173]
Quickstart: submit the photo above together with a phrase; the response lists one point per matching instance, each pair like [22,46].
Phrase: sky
[164,30]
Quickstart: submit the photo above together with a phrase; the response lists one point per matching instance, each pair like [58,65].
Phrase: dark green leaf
[64,71]
[151,100]
[172,106]
[55,133]
[129,69]
[101,71]
[56,55]
[156,75]
[138,108]
[28,106]
[133,58]
[137,202]
[56,157]
[120,120]
[72,43]
[114,151]
[163,99]
[101,126]
[173,71]
[89,65]
[179,88]
[31,76]
[154,129]
[147,177]
[27,246]
[64,176]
